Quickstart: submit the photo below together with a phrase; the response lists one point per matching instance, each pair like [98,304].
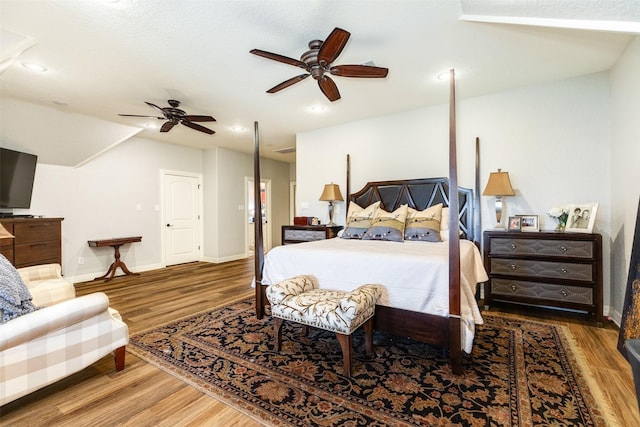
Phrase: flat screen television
[17,171]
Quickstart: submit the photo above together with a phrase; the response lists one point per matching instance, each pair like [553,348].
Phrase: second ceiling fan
[317,63]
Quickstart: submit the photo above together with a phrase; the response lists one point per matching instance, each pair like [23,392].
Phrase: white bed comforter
[414,275]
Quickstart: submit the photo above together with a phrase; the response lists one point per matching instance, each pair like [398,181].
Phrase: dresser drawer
[305,235]
[36,232]
[547,269]
[541,291]
[37,253]
[560,248]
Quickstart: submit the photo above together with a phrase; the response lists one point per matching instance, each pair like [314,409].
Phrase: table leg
[111,272]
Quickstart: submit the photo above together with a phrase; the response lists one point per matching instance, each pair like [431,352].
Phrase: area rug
[520,373]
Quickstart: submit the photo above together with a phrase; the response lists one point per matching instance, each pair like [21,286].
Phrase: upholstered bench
[300,300]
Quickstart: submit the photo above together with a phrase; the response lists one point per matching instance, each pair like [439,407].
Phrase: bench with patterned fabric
[300,300]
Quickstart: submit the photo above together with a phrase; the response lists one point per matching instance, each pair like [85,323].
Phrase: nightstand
[308,233]
[545,269]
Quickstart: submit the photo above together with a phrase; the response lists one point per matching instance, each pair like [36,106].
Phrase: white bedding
[415,275]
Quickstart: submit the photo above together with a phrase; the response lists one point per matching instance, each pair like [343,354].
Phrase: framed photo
[582,217]
[529,223]
[515,222]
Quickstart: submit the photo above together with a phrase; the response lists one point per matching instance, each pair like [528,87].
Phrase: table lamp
[331,193]
[4,233]
[498,185]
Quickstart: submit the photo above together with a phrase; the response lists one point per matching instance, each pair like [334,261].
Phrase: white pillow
[444,225]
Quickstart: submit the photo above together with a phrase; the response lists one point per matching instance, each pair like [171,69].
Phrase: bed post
[258,249]
[476,197]
[348,182]
[455,351]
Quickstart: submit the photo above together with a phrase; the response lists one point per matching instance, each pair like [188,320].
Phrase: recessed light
[445,75]
[238,129]
[317,108]
[32,66]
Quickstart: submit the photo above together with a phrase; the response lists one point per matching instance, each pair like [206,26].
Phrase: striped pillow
[424,226]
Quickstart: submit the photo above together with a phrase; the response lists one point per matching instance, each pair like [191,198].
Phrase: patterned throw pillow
[424,226]
[359,220]
[387,225]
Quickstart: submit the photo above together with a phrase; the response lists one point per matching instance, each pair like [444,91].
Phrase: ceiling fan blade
[279,58]
[333,45]
[329,88]
[168,126]
[137,115]
[288,83]
[199,118]
[359,71]
[197,127]
[156,107]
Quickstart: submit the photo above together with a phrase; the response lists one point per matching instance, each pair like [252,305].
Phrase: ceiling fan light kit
[317,62]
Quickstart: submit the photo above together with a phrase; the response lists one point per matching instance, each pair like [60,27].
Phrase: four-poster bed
[425,320]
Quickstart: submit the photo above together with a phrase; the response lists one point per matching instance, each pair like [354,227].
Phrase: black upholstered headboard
[418,194]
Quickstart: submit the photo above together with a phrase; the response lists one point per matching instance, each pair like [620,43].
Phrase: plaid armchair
[64,336]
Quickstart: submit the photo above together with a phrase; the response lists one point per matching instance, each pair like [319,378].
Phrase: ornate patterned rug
[520,373]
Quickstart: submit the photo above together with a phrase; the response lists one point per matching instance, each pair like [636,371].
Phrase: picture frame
[515,223]
[582,217]
[529,223]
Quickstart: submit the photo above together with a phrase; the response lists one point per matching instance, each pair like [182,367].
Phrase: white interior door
[182,222]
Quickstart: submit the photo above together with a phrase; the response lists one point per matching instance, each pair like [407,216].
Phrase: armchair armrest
[362,298]
[40,272]
[48,319]
[278,292]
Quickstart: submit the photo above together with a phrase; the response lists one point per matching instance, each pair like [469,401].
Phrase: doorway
[181,217]
[265,197]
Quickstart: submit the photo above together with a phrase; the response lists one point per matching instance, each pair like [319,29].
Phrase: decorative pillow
[444,225]
[358,220]
[387,225]
[15,299]
[424,226]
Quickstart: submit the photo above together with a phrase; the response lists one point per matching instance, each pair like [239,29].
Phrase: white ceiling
[106,57]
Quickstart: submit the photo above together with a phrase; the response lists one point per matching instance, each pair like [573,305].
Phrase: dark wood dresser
[307,233]
[545,269]
[37,241]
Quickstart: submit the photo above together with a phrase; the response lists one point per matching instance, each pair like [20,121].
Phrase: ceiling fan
[317,63]
[175,115]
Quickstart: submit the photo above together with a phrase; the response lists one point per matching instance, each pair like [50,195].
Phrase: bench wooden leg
[277,332]
[368,336]
[345,343]
[119,358]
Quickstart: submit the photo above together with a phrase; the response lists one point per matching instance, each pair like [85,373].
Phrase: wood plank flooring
[142,395]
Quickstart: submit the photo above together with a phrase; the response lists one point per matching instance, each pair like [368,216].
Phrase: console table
[115,244]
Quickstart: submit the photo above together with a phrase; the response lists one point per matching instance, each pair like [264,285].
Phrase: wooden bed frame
[419,194]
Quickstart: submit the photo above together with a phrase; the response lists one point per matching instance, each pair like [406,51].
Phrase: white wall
[625,191]
[225,224]
[99,200]
[554,140]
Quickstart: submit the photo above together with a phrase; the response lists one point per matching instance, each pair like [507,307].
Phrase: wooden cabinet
[37,241]
[307,233]
[545,269]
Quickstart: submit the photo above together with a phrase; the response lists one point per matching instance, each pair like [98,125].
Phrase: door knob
[169,225]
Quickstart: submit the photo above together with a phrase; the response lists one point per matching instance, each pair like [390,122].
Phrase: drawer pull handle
[564,293]
[563,248]
[564,270]
[513,246]
[514,288]
[513,266]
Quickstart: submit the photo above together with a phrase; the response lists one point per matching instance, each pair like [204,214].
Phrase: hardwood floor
[142,395]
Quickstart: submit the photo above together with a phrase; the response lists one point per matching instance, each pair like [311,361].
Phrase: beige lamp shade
[331,193]
[4,233]
[499,184]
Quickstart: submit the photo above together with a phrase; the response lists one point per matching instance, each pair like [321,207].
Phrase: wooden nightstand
[308,233]
[545,269]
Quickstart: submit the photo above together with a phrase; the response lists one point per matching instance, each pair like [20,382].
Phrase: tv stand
[10,215]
